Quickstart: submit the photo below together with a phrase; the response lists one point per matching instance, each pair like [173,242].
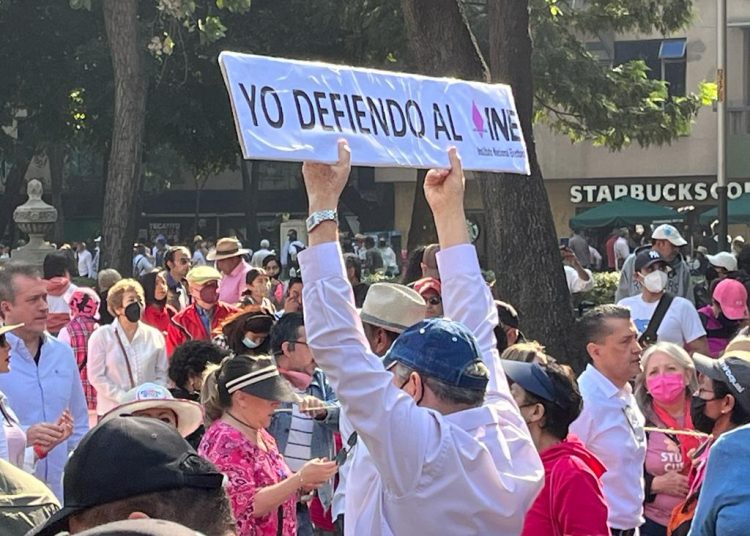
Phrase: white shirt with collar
[41,392]
[108,371]
[611,426]
[471,472]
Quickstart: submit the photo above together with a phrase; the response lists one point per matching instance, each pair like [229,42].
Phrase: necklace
[255,437]
[243,423]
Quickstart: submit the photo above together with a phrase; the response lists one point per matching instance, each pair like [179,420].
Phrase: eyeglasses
[434,300]
[2,340]
[299,342]
[343,454]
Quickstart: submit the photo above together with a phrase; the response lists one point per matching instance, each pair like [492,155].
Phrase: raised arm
[466,297]
[398,434]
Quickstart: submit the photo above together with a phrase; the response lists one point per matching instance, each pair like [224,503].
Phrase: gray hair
[680,357]
[107,278]
[11,270]
[448,393]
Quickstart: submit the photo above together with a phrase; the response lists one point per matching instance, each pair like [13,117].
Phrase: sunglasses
[2,340]
[343,454]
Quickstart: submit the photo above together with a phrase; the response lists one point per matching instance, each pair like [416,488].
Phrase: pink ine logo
[476,117]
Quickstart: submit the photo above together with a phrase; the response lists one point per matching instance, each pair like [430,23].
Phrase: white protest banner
[296,110]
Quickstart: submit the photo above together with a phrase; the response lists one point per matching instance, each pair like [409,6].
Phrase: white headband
[251,378]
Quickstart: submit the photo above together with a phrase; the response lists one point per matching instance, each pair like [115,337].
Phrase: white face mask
[656,281]
[249,343]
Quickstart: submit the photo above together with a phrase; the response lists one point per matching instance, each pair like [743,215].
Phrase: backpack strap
[649,336]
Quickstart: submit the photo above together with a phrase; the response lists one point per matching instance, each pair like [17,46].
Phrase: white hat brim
[189,413]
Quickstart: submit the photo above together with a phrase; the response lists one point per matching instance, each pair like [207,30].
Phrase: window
[665,58]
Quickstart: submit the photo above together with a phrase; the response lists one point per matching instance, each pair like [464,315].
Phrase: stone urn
[36,218]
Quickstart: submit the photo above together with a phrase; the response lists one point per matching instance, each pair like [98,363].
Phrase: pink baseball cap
[732,297]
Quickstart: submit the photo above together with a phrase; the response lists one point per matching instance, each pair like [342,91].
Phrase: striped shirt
[297,451]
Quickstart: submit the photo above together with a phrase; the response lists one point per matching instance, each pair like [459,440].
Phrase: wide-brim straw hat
[226,248]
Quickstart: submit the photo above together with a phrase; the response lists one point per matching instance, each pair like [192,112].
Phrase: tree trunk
[250,178]
[56,157]
[422,228]
[520,230]
[123,173]
[440,44]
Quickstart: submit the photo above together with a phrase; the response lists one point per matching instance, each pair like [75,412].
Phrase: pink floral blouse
[249,469]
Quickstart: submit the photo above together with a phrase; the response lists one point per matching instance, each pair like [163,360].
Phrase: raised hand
[444,188]
[324,182]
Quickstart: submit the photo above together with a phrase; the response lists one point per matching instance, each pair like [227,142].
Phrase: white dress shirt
[85,263]
[611,426]
[470,472]
[108,371]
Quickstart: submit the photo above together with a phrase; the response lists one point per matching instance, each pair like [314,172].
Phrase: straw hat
[392,307]
[226,248]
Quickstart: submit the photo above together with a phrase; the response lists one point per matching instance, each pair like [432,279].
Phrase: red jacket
[158,317]
[572,502]
[187,326]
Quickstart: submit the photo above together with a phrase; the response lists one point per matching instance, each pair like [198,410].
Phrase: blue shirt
[40,393]
[724,502]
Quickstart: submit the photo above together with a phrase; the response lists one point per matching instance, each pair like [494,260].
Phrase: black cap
[126,457]
[507,313]
[646,258]
[140,527]
[731,370]
[532,377]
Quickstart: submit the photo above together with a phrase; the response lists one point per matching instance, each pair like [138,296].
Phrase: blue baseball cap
[442,349]
[532,377]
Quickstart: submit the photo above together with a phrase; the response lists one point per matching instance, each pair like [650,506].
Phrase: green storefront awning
[738,210]
[625,211]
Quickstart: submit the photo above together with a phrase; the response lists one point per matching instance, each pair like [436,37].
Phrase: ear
[538,414]
[416,380]
[138,515]
[727,404]
[593,350]
[285,348]
[5,308]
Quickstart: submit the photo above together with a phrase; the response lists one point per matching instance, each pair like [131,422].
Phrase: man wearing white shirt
[451,452]
[611,425]
[85,261]
[262,253]
[43,381]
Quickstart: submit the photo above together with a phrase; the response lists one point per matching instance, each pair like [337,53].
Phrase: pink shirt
[716,346]
[662,455]
[249,469]
[232,285]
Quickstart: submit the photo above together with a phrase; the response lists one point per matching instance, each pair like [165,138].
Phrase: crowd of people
[239,392]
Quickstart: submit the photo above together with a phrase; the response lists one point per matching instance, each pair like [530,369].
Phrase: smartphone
[564,242]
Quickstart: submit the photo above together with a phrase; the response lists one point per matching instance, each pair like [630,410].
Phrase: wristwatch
[316,218]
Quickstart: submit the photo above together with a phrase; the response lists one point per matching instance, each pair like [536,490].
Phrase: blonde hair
[118,290]
[527,352]
[680,357]
[212,401]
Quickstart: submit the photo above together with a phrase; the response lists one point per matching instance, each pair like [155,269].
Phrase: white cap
[265,244]
[668,232]
[724,260]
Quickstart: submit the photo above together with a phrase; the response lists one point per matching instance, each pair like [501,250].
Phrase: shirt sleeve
[240,487]
[692,327]
[96,366]
[625,284]
[162,364]
[721,471]
[78,407]
[399,435]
